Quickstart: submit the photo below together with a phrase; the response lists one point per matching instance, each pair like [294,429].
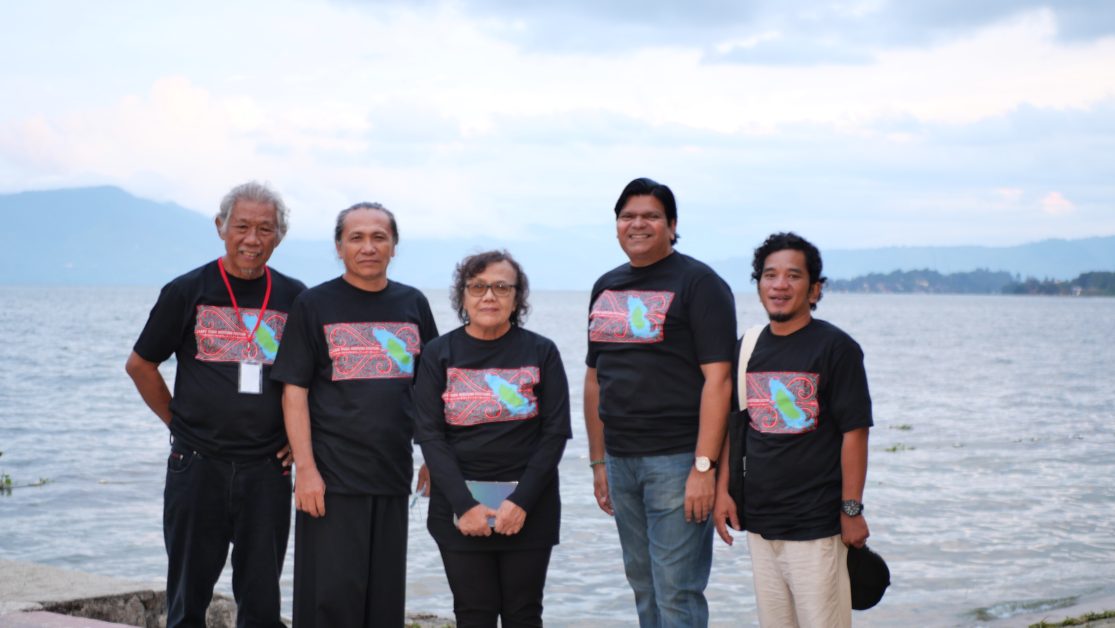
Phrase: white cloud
[1010,196]
[432,112]
[1055,204]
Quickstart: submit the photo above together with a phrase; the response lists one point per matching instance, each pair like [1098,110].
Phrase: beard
[780,317]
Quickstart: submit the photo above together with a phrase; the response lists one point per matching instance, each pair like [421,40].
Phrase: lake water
[990,490]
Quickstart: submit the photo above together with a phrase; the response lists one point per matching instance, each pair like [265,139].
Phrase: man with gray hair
[228,476]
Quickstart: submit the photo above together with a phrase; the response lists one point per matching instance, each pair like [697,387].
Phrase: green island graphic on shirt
[265,336]
[629,316]
[394,347]
[793,416]
[637,317]
[508,394]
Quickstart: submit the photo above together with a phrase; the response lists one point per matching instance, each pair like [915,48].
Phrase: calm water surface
[990,487]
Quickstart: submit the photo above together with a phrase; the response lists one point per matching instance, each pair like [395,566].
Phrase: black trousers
[209,503]
[350,565]
[506,584]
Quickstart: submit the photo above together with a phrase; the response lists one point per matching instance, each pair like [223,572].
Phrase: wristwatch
[851,507]
[704,463]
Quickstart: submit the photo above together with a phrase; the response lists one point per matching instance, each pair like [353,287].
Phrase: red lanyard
[236,308]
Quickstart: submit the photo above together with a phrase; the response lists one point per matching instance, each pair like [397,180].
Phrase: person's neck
[368,285]
[487,333]
[242,273]
[786,328]
[643,262]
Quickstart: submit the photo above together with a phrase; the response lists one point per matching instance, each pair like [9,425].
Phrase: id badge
[251,378]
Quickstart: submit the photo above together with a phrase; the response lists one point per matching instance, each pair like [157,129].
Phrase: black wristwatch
[851,507]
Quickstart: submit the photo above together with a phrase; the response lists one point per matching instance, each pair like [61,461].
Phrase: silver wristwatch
[703,464]
[851,507]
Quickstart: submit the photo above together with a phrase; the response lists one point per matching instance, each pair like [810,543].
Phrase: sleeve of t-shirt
[162,335]
[592,354]
[427,328]
[734,407]
[429,433]
[553,411]
[712,310]
[849,398]
[294,363]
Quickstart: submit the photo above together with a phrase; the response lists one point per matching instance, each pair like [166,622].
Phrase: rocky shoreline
[40,595]
[35,596]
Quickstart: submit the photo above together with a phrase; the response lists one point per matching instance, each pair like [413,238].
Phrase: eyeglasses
[499,288]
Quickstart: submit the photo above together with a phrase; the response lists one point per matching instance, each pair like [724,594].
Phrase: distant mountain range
[103,235]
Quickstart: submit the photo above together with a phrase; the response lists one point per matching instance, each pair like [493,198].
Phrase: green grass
[6,483]
[1076,621]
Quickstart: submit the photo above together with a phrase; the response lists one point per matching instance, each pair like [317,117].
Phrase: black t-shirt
[804,391]
[194,320]
[494,410]
[650,329]
[356,352]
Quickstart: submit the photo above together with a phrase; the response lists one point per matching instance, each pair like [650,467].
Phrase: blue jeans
[208,504]
[667,560]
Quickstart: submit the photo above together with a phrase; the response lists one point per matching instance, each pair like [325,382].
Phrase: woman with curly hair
[492,406]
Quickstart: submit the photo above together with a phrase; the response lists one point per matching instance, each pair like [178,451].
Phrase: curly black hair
[790,240]
[472,266]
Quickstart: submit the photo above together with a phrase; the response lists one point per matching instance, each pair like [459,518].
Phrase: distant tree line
[981,281]
[1087,284]
[926,281]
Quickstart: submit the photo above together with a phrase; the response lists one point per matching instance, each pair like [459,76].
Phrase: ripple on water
[1000,496]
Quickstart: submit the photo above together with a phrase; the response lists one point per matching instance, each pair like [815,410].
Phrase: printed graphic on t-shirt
[476,396]
[221,338]
[782,403]
[372,350]
[633,316]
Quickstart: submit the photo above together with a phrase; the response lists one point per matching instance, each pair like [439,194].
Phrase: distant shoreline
[925,281]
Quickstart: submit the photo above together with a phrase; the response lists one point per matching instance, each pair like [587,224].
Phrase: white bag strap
[750,337]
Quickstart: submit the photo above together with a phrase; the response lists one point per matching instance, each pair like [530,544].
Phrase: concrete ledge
[38,595]
[33,584]
[28,586]
[31,587]
[43,619]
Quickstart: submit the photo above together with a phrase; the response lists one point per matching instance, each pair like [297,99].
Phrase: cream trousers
[801,584]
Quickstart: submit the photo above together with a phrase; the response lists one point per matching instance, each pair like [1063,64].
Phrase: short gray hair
[260,193]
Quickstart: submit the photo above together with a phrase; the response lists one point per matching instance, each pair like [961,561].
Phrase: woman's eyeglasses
[499,288]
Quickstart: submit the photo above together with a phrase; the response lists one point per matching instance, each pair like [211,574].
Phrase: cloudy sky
[859,123]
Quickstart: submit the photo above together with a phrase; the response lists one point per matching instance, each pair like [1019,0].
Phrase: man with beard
[809,412]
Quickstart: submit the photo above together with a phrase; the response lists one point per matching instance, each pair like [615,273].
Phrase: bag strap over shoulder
[750,337]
